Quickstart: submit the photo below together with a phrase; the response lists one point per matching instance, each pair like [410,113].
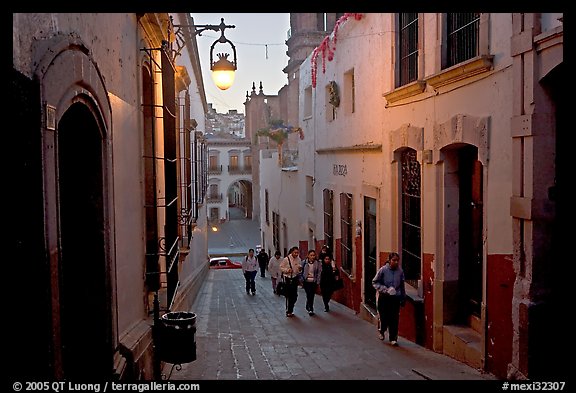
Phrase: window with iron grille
[200,170]
[346,231]
[233,163]
[321,23]
[171,239]
[328,196]
[276,230]
[248,162]
[203,168]
[349,92]
[184,126]
[195,177]
[411,227]
[408,47]
[462,43]
[213,191]
[150,168]
[213,161]
[266,207]
[310,190]
[308,102]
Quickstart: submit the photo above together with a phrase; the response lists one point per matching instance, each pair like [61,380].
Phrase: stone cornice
[351,149]
[405,91]
[460,71]
[212,142]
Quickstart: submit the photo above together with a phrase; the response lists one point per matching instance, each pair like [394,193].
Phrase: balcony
[289,159]
[215,170]
[238,170]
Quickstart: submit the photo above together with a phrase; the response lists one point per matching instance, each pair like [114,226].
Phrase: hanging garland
[326,49]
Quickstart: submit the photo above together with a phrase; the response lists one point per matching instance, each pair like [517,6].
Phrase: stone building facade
[229,176]
[441,146]
[306,32]
[114,179]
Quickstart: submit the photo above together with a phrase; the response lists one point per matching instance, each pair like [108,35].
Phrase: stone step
[463,344]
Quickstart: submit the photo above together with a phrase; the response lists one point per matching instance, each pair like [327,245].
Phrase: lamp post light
[223,69]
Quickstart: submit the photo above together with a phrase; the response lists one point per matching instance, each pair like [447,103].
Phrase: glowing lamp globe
[223,72]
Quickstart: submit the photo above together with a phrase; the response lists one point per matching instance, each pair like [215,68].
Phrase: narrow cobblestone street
[241,337]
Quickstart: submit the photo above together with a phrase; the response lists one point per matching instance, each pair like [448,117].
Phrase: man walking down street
[263,262]
[311,273]
[389,282]
[274,269]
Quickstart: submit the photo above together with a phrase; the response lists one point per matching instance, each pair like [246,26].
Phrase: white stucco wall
[284,197]
[359,47]
[374,121]
[488,95]
[128,215]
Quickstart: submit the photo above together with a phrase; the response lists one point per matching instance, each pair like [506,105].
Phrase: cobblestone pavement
[244,337]
[234,237]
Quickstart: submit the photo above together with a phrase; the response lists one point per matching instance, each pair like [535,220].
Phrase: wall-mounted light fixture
[222,70]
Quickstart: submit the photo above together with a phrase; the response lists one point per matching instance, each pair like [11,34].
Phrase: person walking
[327,280]
[311,270]
[291,267]
[323,251]
[274,269]
[389,282]
[250,268]
[263,262]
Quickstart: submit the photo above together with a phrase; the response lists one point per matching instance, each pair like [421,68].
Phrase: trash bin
[175,337]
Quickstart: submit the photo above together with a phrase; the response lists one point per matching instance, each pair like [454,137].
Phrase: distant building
[306,32]
[229,176]
[225,123]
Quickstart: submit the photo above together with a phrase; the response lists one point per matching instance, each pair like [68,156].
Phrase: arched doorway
[240,200]
[85,309]
[550,263]
[463,195]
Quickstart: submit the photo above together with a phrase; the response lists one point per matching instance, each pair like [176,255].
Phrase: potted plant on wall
[278,132]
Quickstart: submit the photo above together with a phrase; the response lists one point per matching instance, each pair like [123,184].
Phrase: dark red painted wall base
[499,313]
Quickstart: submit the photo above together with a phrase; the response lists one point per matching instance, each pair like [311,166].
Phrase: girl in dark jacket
[327,280]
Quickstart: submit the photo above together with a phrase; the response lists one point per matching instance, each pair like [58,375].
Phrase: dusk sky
[260,41]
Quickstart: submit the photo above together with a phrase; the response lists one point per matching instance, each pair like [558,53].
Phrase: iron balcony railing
[238,170]
[215,170]
[214,198]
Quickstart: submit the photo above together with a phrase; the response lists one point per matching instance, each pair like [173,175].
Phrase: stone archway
[78,214]
[240,196]
[84,308]
[461,154]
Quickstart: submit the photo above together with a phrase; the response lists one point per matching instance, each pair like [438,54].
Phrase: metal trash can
[175,337]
